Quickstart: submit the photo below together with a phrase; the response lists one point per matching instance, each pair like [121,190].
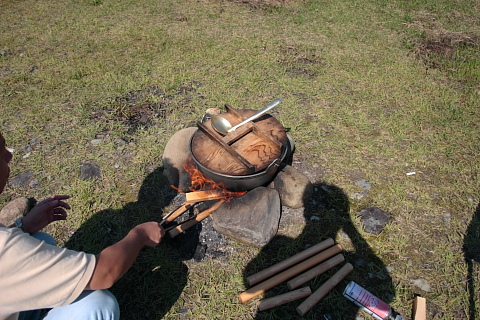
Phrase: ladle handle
[260,112]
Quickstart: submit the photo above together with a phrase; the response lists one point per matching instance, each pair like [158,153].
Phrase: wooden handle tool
[190,223]
[175,213]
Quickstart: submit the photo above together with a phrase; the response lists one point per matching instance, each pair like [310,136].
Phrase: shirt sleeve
[36,275]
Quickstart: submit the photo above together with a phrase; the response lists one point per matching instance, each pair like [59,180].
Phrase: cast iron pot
[244,182]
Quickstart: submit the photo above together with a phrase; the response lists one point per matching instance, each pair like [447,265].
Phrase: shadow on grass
[331,205]
[155,281]
[471,250]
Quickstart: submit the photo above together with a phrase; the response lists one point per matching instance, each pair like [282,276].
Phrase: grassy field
[371,90]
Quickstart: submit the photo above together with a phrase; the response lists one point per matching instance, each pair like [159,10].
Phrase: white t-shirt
[36,275]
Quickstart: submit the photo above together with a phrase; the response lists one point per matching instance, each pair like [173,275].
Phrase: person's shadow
[155,281]
[330,208]
[471,251]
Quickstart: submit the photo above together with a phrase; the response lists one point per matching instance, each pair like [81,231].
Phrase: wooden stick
[287,274]
[315,297]
[190,223]
[419,308]
[316,271]
[284,298]
[270,271]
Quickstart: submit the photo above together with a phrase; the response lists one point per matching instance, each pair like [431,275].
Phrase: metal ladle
[223,126]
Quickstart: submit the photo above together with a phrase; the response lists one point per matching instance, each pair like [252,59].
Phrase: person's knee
[90,305]
[105,305]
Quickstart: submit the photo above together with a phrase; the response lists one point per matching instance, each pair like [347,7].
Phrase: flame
[201,183]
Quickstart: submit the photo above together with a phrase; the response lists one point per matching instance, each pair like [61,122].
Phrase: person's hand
[151,232]
[45,212]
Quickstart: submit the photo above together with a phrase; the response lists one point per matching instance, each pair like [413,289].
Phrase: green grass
[371,90]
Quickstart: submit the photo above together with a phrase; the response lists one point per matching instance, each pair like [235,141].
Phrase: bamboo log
[199,217]
[284,298]
[316,271]
[287,274]
[307,253]
[315,297]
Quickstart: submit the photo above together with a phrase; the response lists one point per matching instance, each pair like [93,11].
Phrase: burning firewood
[198,196]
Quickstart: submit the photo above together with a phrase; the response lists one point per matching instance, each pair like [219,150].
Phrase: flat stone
[374,219]
[175,155]
[294,188]
[252,219]
[13,210]
[364,184]
[422,284]
[89,171]
[21,180]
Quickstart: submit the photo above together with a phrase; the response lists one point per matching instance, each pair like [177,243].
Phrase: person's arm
[114,261]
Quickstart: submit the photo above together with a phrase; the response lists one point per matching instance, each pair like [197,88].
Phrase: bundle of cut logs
[302,267]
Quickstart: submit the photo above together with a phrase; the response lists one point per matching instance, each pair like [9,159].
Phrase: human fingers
[162,231]
[53,198]
[64,204]
[59,197]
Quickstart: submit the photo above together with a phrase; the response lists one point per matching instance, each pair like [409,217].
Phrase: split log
[284,298]
[270,271]
[199,196]
[289,273]
[419,308]
[321,292]
[191,222]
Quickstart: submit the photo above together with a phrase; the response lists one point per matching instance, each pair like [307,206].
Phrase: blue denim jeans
[90,305]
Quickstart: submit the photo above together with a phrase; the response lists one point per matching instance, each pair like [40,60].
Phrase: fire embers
[207,190]
[204,189]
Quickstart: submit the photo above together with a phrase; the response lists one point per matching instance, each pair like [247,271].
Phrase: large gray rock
[294,188]
[13,210]
[176,153]
[252,219]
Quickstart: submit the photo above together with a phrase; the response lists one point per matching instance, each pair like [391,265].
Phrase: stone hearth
[253,218]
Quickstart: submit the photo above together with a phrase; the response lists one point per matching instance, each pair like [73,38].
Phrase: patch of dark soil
[262,4]
[300,62]
[140,108]
[137,108]
[437,42]
[442,45]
